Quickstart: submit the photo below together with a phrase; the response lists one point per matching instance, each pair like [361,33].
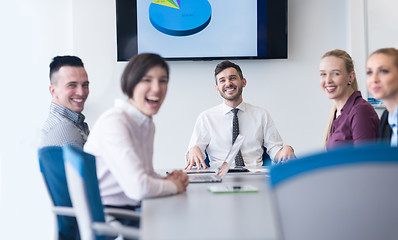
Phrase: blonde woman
[382,80]
[352,120]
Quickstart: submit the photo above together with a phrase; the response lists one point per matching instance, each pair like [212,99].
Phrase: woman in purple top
[352,120]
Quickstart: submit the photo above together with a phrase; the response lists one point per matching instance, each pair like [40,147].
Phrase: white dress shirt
[122,142]
[213,133]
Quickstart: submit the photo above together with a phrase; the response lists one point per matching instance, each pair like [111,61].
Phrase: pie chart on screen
[180,17]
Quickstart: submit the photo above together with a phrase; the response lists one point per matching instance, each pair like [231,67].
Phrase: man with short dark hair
[69,87]
[215,128]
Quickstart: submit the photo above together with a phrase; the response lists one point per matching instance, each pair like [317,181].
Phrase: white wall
[287,88]
[382,24]
[32,33]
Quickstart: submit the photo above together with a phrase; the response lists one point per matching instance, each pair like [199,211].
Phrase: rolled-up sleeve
[272,140]
[200,135]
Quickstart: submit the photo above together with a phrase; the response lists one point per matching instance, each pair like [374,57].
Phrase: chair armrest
[64,211]
[122,213]
[114,231]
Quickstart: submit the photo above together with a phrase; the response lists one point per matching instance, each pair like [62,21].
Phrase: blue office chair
[83,187]
[207,160]
[266,158]
[51,163]
[347,193]
[52,168]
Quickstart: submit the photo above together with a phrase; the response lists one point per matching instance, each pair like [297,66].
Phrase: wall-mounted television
[202,29]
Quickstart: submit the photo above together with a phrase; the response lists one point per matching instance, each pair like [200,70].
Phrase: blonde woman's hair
[349,65]
[392,52]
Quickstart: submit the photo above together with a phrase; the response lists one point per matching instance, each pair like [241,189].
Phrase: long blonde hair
[349,65]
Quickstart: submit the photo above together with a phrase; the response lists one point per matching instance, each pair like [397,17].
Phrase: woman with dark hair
[352,119]
[382,79]
[122,138]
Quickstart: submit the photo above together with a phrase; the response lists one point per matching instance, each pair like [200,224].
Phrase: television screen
[202,29]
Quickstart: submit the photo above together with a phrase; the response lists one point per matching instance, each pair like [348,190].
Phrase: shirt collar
[132,111]
[226,109]
[350,101]
[67,113]
[393,118]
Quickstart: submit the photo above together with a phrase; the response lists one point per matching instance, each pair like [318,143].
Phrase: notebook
[211,178]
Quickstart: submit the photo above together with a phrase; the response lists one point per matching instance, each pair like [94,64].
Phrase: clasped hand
[180,179]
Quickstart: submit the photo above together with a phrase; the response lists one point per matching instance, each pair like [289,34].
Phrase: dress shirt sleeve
[200,136]
[364,124]
[120,149]
[272,140]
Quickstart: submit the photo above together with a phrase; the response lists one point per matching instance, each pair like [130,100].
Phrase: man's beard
[233,97]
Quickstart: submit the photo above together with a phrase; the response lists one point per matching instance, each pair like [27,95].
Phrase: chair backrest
[83,187]
[266,158]
[52,168]
[348,193]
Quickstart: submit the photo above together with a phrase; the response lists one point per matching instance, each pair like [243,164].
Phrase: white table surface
[200,214]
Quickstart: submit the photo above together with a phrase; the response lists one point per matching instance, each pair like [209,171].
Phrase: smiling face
[149,93]
[230,86]
[382,77]
[335,79]
[70,88]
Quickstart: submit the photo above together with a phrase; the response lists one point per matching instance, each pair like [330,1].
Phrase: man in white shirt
[213,129]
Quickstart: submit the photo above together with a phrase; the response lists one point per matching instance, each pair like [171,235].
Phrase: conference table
[200,214]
